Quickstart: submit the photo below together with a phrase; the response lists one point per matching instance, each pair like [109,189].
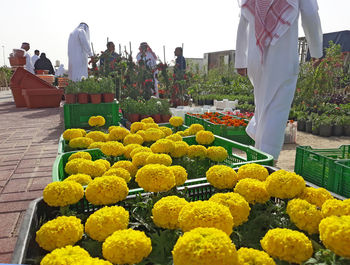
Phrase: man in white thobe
[79,51]
[29,66]
[267,50]
[35,56]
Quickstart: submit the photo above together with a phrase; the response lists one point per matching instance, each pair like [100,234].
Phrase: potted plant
[325,125]
[338,123]
[346,125]
[83,96]
[107,89]
[155,108]
[130,109]
[70,92]
[315,124]
[145,110]
[94,90]
[301,123]
[308,124]
[165,111]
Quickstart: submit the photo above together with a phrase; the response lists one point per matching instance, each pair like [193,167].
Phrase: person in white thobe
[267,50]
[35,57]
[29,66]
[60,71]
[79,51]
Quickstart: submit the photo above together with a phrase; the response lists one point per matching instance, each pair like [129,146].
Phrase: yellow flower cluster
[129,148]
[106,190]
[176,121]
[167,131]
[103,162]
[174,137]
[196,151]
[194,128]
[155,178]
[70,134]
[166,211]
[162,159]
[83,155]
[113,148]
[118,134]
[126,165]
[180,174]
[253,190]
[315,196]
[222,177]
[97,121]
[238,206]
[118,172]
[304,215]
[217,153]
[97,136]
[63,193]
[95,145]
[133,139]
[91,168]
[205,137]
[153,134]
[104,222]
[110,128]
[126,247]
[163,146]
[205,214]
[284,185]
[254,171]
[205,246]
[335,234]
[147,120]
[297,248]
[139,150]
[80,142]
[248,256]
[59,232]
[136,126]
[140,158]
[180,149]
[71,167]
[149,125]
[336,207]
[82,179]
[65,256]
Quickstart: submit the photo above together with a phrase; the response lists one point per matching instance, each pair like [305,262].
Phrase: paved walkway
[28,148]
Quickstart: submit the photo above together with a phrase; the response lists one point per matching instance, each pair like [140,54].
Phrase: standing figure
[180,62]
[267,50]
[44,64]
[108,57]
[79,51]
[29,65]
[35,57]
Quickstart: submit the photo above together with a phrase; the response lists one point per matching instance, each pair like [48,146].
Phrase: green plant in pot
[131,109]
[70,92]
[165,110]
[346,125]
[315,124]
[338,125]
[107,89]
[325,125]
[302,118]
[308,124]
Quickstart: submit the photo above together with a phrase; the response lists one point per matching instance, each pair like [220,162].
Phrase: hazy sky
[202,25]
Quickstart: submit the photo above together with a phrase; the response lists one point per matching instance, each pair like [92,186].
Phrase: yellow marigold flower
[205,137]
[97,136]
[194,128]
[161,159]
[97,121]
[80,142]
[133,139]
[104,222]
[59,232]
[252,256]
[72,166]
[206,214]
[82,179]
[118,134]
[315,196]
[106,190]
[181,133]
[284,185]
[140,158]
[118,172]
[176,121]
[65,256]
[205,246]
[180,174]
[129,148]
[304,215]
[83,155]
[217,153]
[110,128]
[146,126]
[166,211]
[136,126]
[63,193]
[95,145]
[152,135]
[167,131]
[238,206]
[113,148]
[155,178]
[127,247]
[335,234]
[180,149]
[91,168]
[187,132]
[253,171]
[196,151]
[126,165]
[147,120]
[163,146]
[140,149]
[297,248]
[336,207]
[93,261]
[222,177]
[142,133]
[174,137]
[253,190]
[70,134]
[104,162]
[82,131]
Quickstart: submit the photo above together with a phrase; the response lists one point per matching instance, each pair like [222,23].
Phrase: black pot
[316,130]
[308,126]
[346,130]
[200,102]
[301,125]
[337,130]
[325,130]
[209,102]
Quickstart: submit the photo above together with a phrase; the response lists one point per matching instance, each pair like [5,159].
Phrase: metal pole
[3,53]
[120,49]
[130,46]
[164,53]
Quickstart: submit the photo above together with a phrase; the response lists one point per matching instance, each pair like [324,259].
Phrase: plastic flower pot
[133,117]
[315,130]
[166,117]
[42,98]
[325,130]
[17,96]
[301,125]
[108,97]
[30,81]
[337,130]
[70,98]
[17,61]
[308,126]
[83,98]
[95,98]
[157,118]
[346,130]
[42,72]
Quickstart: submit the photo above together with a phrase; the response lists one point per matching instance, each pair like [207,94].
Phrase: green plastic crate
[318,165]
[189,120]
[342,177]
[77,115]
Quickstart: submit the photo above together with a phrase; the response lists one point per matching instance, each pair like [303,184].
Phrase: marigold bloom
[96,121]
[118,134]
[196,151]
[222,177]
[118,172]
[82,179]
[113,148]
[97,136]
[253,190]
[194,128]
[253,256]
[174,137]
[180,174]
[176,121]
[136,126]
[217,153]
[167,131]
[70,134]
[180,149]
[133,139]
[163,146]
[80,142]
[205,137]
[66,256]
[83,155]
[91,168]
[126,165]
[254,171]
[336,207]
[140,159]
[63,193]
[315,196]
[162,159]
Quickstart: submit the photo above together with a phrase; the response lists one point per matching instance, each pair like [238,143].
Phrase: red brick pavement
[28,148]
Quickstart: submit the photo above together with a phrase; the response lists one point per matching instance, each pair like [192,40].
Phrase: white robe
[275,80]
[34,58]
[29,66]
[78,52]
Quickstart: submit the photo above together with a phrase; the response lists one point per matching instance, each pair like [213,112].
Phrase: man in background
[35,57]
[108,57]
[180,62]
[29,66]
[44,63]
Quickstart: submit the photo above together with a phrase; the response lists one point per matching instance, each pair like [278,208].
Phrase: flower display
[176,121]
[166,211]
[80,142]
[180,174]
[194,128]
[113,148]
[70,134]
[217,153]
[289,239]
[335,234]
[106,221]
[118,172]
[304,215]
[163,146]
[63,193]
[148,120]
[126,165]
[254,171]
[128,149]
[146,126]
[315,196]
[153,134]
[222,177]
[65,256]
[71,167]
[205,137]
[155,178]
[336,207]
[96,145]
[97,136]
[133,139]
[206,214]
[196,151]
[167,131]
[136,126]
[140,149]
[162,159]
[106,190]
[180,149]
[174,137]
[284,185]
[126,247]
[83,155]
[140,158]
[59,232]
[82,179]
[98,121]
[91,168]
[205,246]
[253,190]
[118,134]
[142,133]
[238,206]
[253,256]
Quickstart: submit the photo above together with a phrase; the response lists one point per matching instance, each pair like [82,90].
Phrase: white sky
[202,25]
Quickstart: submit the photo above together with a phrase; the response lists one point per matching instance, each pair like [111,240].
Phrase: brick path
[28,148]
